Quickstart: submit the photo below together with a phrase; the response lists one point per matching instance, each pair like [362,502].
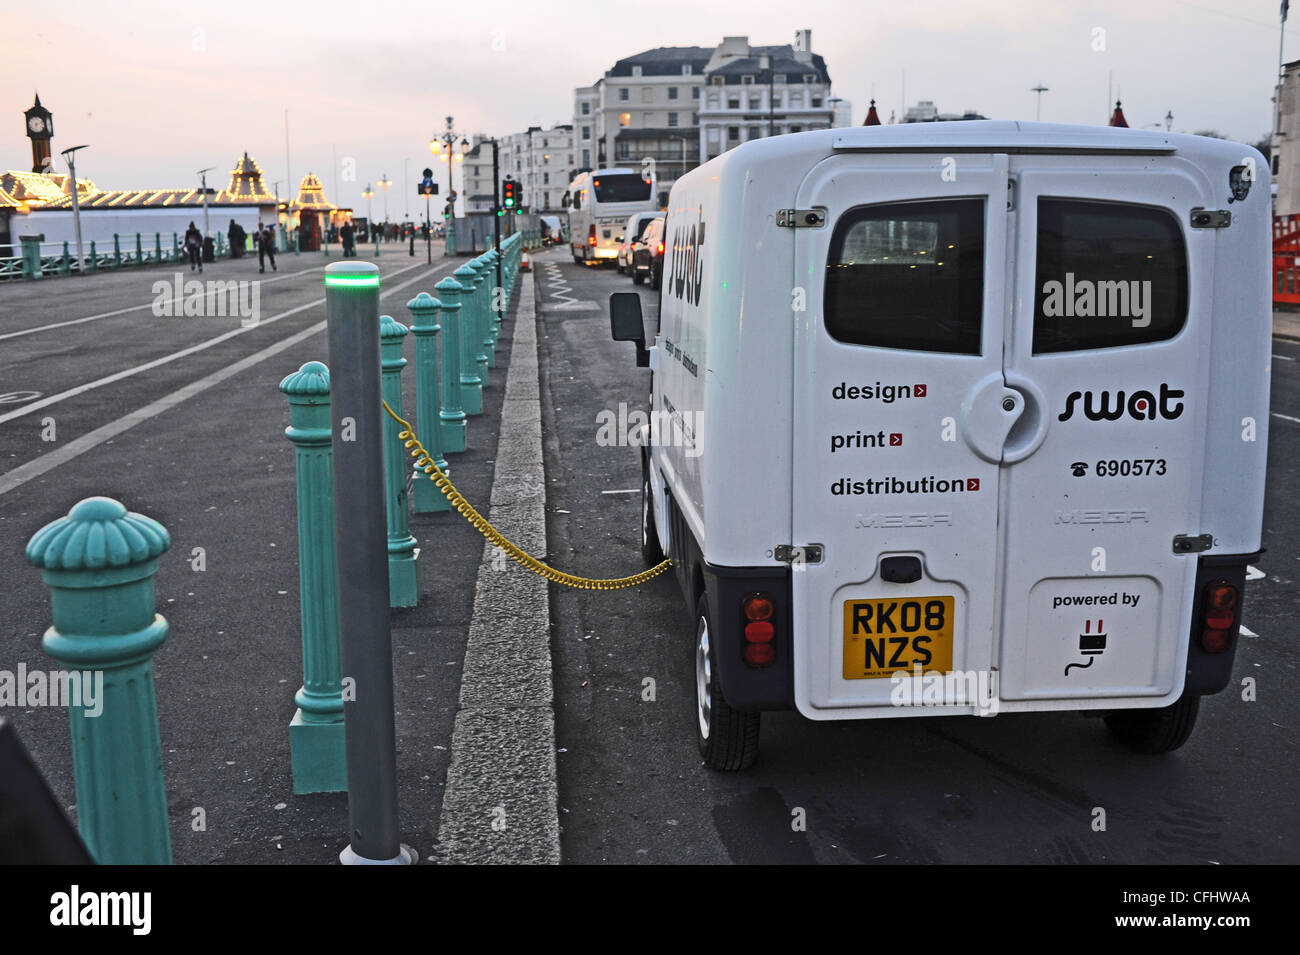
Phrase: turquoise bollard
[139,250]
[482,292]
[471,386]
[157,247]
[317,745]
[428,402]
[403,554]
[94,258]
[99,562]
[117,252]
[65,263]
[483,342]
[31,257]
[452,415]
[495,303]
[376,234]
[176,247]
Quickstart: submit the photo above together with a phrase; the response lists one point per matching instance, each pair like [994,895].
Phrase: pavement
[195,440]
[1286,324]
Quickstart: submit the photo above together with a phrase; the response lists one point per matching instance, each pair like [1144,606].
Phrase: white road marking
[136,308]
[630,490]
[1247,632]
[53,459]
[166,359]
[1283,357]
[1286,417]
[1254,573]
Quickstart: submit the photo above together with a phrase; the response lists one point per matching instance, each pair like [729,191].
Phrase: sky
[160,90]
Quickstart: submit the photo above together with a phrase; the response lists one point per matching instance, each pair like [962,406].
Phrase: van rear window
[908,275]
[621,187]
[1108,274]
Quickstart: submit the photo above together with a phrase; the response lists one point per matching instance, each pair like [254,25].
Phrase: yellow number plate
[885,635]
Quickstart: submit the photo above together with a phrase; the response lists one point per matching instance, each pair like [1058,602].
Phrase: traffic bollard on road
[471,386]
[452,415]
[317,746]
[403,554]
[361,548]
[99,562]
[428,402]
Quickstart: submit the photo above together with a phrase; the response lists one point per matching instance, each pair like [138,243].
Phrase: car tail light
[591,235]
[1218,616]
[661,248]
[757,613]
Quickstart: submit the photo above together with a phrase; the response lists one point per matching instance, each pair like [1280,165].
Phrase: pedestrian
[349,236]
[237,237]
[265,247]
[194,246]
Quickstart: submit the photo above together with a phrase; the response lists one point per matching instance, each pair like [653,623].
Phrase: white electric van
[960,418]
[599,204]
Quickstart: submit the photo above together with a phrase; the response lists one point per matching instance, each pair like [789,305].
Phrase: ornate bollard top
[465,274]
[422,302]
[98,533]
[311,379]
[390,329]
[447,285]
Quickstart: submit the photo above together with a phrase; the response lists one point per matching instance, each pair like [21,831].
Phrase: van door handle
[1030,428]
[988,413]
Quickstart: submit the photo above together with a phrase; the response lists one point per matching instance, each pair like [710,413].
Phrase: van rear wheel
[1155,731]
[727,737]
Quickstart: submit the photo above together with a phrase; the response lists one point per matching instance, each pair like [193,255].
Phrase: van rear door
[899,423]
[997,480]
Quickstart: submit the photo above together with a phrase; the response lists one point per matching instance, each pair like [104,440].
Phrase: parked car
[648,256]
[632,231]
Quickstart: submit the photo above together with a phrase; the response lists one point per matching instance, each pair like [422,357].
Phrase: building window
[747,80]
[636,71]
[796,129]
[695,92]
[672,92]
[755,132]
[695,119]
[586,158]
[625,119]
[733,134]
[686,69]
[546,179]
[586,132]
[796,100]
[586,109]
[718,81]
[672,119]
[778,79]
[647,94]
[545,145]
[713,102]
[808,78]
[623,151]
[733,102]
[817,102]
[622,94]
[755,102]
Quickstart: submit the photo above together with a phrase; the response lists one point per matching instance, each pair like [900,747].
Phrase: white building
[669,109]
[541,160]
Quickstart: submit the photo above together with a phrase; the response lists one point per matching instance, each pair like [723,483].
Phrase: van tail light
[757,613]
[1218,616]
[591,235]
[661,248]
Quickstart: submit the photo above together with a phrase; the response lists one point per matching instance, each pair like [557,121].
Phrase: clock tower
[40,130]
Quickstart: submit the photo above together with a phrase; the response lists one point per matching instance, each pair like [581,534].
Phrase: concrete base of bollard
[425,496]
[319,756]
[405,856]
[453,435]
[404,577]
[471,398]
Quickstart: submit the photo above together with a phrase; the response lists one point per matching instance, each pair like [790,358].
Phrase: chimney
[1117,117]
[803,46]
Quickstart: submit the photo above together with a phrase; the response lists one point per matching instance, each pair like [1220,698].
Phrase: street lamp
[203,180]
[1169,120]
[1040,89]
[369,193]
[385,183]
[448,140]
[70,156]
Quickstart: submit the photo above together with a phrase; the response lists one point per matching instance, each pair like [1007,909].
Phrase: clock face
[36,124]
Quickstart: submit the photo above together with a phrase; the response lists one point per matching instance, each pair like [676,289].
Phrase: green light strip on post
[344,281]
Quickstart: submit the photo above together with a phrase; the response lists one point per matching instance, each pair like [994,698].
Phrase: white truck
[599,204]
[960,418]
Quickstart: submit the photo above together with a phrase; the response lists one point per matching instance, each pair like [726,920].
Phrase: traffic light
[509,194]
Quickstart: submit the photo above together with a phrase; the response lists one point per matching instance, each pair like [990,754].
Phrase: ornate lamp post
[386,184]
[447,140]
[369,193]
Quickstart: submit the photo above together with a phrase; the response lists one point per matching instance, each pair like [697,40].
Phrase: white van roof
[1002,136]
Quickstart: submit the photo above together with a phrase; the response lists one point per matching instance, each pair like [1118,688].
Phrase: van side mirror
[625,323]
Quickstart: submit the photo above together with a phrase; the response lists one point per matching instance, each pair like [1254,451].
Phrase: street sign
[427,186]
